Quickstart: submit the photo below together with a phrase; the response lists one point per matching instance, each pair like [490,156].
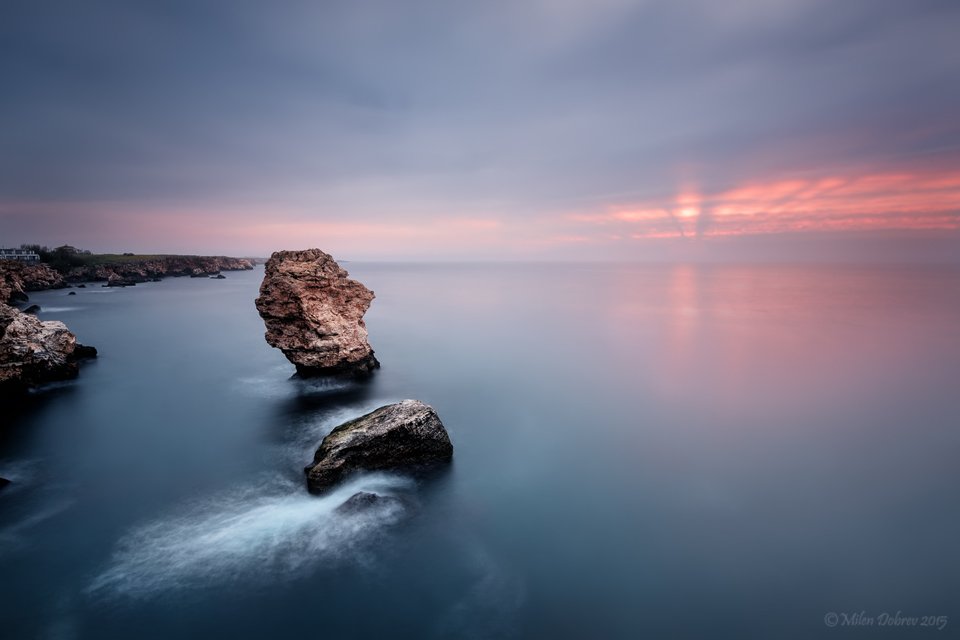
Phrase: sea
[640,451]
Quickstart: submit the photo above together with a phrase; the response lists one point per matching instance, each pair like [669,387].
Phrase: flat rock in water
[395,436]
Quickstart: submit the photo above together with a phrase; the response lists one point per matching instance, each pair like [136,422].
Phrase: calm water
[660,451]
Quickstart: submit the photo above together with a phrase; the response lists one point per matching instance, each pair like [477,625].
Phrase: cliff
[17,278]
[144,269]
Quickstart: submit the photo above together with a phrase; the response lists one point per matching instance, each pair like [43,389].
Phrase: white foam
[277,382]
[247,533]
[58,309]
[489,606]
[22,477]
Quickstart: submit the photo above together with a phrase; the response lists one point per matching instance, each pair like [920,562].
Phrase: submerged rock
[397,435]
[84,352]
[72,293]
[33,309]
[33,352]
[363,500]
[4,482]
[314,314]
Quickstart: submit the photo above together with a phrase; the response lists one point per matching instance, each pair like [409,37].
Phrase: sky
[495,130]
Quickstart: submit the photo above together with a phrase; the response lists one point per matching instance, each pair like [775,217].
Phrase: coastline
[34,352]
[18,278]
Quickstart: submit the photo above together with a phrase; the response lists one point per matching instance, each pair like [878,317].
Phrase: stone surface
[314,314]
[397,435]
[153,269]
[17,278]
[364,500]
[3,482]
[33,352]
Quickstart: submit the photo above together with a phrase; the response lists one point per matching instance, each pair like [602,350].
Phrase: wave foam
[238,535]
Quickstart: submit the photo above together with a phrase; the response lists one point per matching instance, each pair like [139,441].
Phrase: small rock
[72,293]
[83,352]
[4,482]
[397,435]
[32,309]
[81,286]
[363,500]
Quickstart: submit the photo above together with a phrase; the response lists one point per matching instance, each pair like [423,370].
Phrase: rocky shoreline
[35,352]
[18,278]
[313,312]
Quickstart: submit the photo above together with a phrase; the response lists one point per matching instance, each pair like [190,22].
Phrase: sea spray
[277,534]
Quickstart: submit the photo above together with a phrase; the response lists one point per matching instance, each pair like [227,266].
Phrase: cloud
[386,115]
[879,201]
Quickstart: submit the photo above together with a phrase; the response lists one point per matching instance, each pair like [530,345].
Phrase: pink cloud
[928,201]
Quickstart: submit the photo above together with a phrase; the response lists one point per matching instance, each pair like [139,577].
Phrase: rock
[16,278]
[314,314]
[33,309]
[397,435]
[114,280]
[72,293]
[81,286]
[84,352]
[155,268]
[219,276]
[33,352]
[363,500]
[4,482]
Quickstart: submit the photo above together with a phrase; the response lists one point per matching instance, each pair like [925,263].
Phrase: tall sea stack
[314,313]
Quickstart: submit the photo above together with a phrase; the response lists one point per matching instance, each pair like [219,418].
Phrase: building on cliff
[20,255]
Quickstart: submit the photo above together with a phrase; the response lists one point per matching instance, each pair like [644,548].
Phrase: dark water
[640,451]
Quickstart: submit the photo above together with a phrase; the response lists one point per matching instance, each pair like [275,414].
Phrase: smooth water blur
[662,451]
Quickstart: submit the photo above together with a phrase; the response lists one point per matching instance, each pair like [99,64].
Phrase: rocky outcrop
[397,435]
[33,352]
[129,272]
[314,314]
[17,278]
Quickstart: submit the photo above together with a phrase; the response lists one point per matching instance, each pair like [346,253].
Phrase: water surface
[664,451]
